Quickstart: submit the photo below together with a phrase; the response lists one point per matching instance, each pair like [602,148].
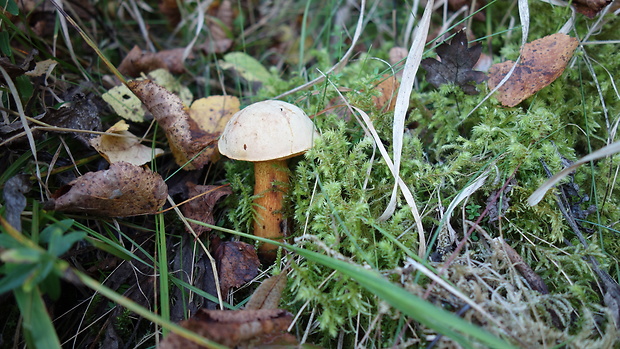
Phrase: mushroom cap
[267,130]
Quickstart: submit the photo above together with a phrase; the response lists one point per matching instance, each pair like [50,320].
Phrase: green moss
[342,185]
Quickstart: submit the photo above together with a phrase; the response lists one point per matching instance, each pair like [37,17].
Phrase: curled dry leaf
[138,61]
[121,191]
[14,70]
[387,88]
[590,8]
[187,139]
[124,147]
[542,61]
[233,328]
[201,208]
[237,263]
[219,21]
[268,294]
[129,107]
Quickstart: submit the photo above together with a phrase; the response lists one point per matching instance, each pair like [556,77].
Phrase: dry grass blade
[22,118]
[535,198]
[402,100]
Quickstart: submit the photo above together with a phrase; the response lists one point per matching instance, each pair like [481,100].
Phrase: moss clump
[342,185]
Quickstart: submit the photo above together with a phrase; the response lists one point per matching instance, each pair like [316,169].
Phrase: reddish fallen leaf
[220,20]
[590,8]
[455,5]
[201,209]
[170,9]
[456,65]
[138,61]
[388,89]
[268,294]
[233,328]
[237,263]
[542,61]
[185,137]
[121,191]
[398,55]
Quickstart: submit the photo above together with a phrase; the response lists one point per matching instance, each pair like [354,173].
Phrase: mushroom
[267,133]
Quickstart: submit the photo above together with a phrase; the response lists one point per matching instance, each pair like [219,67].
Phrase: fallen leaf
[201,209]
[542,61]
[237,263]
[455,5]
[457,61]
[42,68]
[590,8]
[170,9]
[138,61]
[213,112]
[80,112]
[398,55]
[387,88]
[268,294]
[247,67]
[220,17]
[191,146]
[232,328]
[14,70]
[121,191]
[129,106]
[125,147]
[14,199]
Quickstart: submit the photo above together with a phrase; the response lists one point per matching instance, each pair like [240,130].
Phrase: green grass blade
[38,328]
[164,284]
[418,309]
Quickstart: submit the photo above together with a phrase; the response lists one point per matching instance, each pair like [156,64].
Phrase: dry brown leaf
[455,5]
[170,9]
[387,88]
[138,61]
[121,191]
[590,8]
[237,263]
[536,282]
[125,148]
[268,294]
[186,139]
[201,209]
[220,20]
[542,61]
[233,328]
[397,59]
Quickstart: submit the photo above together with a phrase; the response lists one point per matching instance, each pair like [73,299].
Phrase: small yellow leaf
[124,147]
[212,113]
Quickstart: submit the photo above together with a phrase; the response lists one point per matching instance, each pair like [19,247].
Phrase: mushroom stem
[271,184]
